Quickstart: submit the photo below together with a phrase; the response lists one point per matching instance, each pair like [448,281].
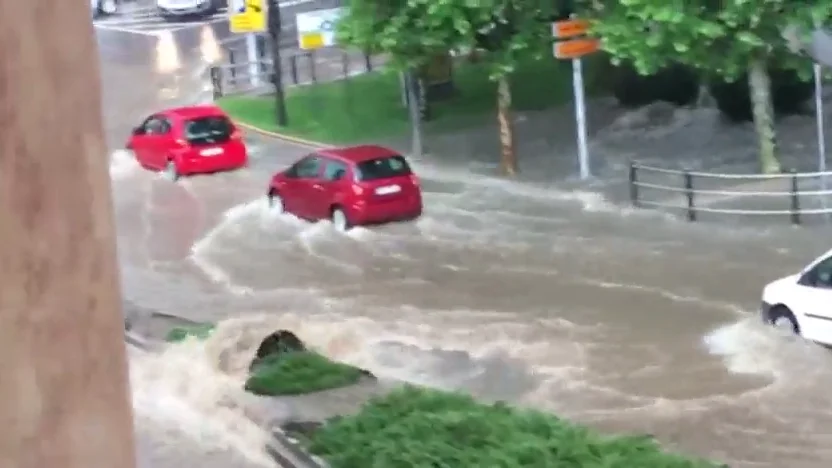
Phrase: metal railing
[793,194]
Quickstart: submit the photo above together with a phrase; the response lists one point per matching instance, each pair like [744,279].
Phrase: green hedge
[416,427]
[200,331]
[296,373]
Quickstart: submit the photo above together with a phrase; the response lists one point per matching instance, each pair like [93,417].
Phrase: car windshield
[208,130]
[382,168]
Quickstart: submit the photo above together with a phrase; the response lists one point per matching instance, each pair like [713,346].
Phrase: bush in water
[296,373]
[200,331]
[788,92]
[676,84]
[421,427]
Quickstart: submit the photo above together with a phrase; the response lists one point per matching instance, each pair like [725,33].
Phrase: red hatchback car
[189,140]
[350,186]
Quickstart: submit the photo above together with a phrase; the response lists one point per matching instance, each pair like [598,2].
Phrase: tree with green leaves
[729,39]
[411,32]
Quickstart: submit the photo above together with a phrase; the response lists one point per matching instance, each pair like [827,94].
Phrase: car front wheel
[784,321]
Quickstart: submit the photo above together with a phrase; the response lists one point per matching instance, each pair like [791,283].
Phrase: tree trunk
[64,396]
[759,84]
[508,157]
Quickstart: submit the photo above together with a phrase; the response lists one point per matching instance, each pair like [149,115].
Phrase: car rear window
[382,168]
[208,130]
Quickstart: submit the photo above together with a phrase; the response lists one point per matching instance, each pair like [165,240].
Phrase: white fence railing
[797,195]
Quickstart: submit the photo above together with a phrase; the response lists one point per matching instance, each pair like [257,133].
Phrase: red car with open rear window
[350,186]
[189,140]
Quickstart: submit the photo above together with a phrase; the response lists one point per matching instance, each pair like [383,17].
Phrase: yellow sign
[247,16]
[311,41]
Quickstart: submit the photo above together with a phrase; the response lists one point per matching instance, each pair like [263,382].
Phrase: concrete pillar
[64,395]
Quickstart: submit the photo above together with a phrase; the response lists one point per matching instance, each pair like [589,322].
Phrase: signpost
[821,136]
[575,46]
[249,17]
[316,29]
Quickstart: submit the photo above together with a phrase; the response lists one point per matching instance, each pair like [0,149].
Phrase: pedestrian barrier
[797,195]
[238,75]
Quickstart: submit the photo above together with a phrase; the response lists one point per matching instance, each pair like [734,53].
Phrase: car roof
[189,112]
[359,153]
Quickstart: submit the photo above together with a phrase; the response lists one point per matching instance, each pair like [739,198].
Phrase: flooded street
[555,299]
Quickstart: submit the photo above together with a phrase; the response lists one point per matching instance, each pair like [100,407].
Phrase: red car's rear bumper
[375,213]
[208,164]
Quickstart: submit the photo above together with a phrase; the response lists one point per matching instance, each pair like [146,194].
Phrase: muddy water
[554,299]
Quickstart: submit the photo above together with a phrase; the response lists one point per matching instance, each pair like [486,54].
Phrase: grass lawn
[297,373]
[200,331]
[416,427]
[369,107]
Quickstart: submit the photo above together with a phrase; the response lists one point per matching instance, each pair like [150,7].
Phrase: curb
[279,136]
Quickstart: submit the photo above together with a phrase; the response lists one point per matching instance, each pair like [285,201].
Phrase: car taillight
[237,135]
[414,180]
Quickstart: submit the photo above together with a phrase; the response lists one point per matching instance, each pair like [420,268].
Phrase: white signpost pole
[821,136]
[580,116]
[572,46]
[253,60]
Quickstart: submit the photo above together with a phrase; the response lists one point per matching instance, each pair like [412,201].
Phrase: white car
[173,9]
[802,303]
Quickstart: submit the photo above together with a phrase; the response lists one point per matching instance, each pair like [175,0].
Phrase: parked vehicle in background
[178,9]
[350,186]
[189,140]
[801,304]
[101,8]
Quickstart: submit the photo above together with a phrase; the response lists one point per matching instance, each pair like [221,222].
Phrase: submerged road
[550,298]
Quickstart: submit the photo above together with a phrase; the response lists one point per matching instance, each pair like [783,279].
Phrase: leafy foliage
[200,331]
[411,32]
[416,427]
[297,373]
[718,36]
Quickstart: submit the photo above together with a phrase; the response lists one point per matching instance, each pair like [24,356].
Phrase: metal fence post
[293,68]
[795,197]
[633,184]
[313,73]
[689,195]
[368,62]
[345,64]
[216,81]
[262,53]
[232,67]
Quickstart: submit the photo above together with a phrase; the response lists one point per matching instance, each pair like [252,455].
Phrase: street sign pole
[574,48]
[274,24]
[580,116]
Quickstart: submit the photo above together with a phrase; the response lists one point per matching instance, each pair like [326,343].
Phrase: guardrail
[793,194]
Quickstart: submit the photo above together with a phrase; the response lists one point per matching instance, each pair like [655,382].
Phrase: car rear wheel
[276,203]
[340,220]
[783,320]
[171,173]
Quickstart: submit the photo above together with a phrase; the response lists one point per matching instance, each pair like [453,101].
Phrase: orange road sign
[576,48]
[569,28]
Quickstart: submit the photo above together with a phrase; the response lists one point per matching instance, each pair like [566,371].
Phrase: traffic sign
[576,48]
[569,28]
[316,29]
[247,16]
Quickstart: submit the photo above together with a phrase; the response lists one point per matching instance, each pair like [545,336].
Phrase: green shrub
[296,373]
[200,331]
[788,92]
[676,84]
[415,427]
